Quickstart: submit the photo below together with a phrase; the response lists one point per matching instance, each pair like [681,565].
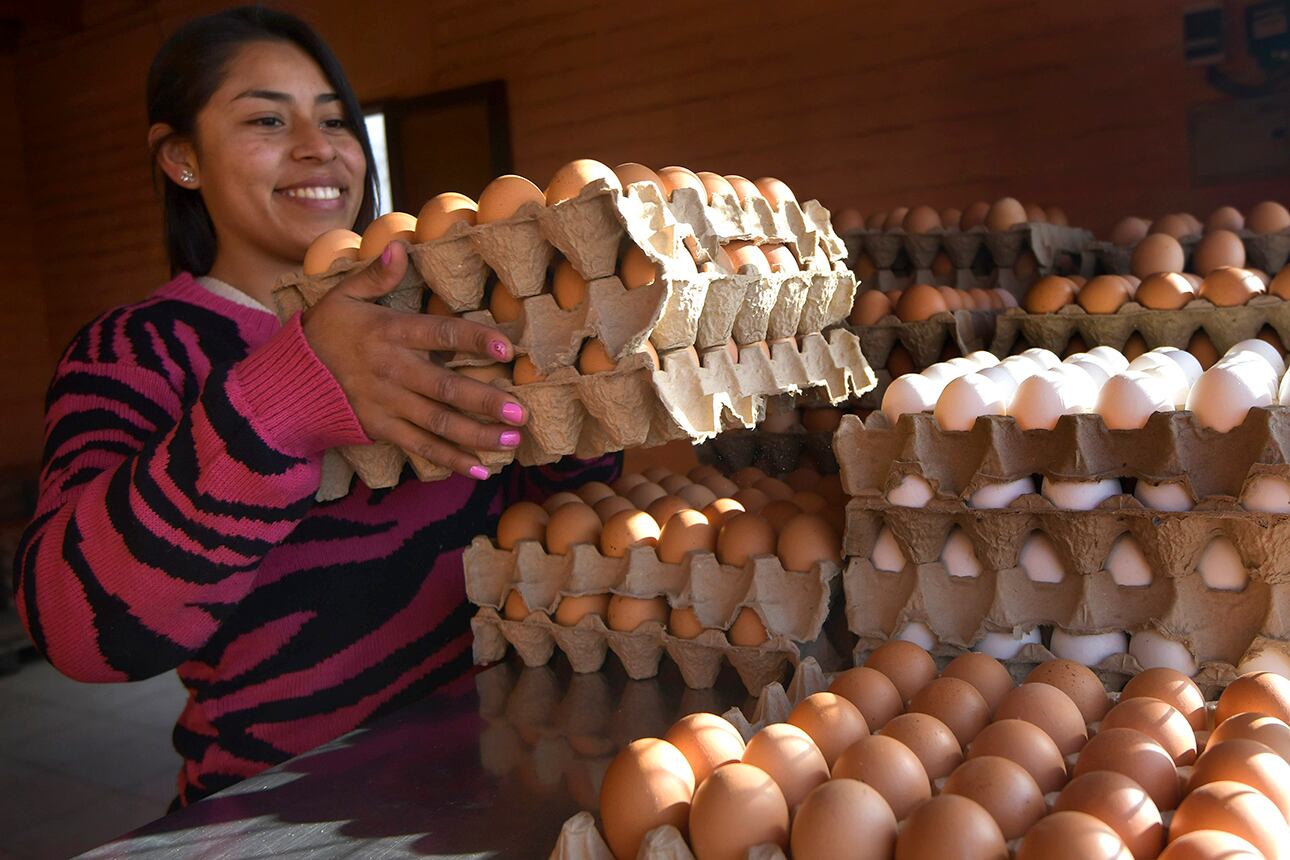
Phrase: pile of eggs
[1003,214]
[1163,289]
[896,761]
[923,301]
[1036,387]
[748,514]
[1264,218]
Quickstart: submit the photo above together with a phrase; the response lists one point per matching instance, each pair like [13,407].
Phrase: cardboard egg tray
[793,606]
[1225,326]
[1268,252]
[776,454]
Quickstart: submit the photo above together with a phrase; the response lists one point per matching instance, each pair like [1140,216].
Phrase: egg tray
[1268,252]
[776,454]
[925,340]
[1171,448]
[793,607]
[1219,628]
[1225,326]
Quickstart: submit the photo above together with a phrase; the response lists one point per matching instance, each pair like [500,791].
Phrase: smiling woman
[176,527]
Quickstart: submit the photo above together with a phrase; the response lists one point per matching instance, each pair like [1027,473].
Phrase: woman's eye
[337,124]
[267,121]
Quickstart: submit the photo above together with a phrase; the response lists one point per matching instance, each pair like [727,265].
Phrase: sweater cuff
[292,399]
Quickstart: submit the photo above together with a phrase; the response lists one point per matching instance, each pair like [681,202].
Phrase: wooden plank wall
[863,103]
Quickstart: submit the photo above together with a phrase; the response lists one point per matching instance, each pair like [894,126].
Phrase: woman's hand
[381,359]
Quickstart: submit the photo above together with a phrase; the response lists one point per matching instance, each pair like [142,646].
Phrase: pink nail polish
[513,413]
[387,254]
[498,348]
[510,439]
[479,473]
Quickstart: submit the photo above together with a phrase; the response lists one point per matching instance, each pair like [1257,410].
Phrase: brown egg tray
[1225,326]
[1268,252]
[793,607]
[776,454]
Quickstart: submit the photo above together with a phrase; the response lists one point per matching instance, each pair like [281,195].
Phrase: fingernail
[387,254]
[513,412]
[510,439]
[479,473]
[498,348]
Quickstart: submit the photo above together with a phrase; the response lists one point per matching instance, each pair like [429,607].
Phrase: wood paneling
[863,103]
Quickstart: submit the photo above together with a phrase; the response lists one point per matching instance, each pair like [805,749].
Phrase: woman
[176,526]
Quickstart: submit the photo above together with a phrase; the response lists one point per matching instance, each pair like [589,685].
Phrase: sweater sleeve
[156,508]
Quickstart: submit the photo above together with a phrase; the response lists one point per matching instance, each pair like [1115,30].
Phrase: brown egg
[390,227]
[1173,688]
[870,307]
[1119,803]
[747,255]
[752,499]
[568,287]
[515,609]
[742,536]
[707,742]
[573,608]
[1129,232]
[559,500]
[1158,720]
[1173,225]
[806,540]
[790,757]
[748,476]
[672,483]
[441,212]
[1269,731]
[983,672]
[608,507]
[1051,710]
[648,784]
[594,358]
[950,826]
[1035,212]
[943,270]
[1003,788]
[909,667]
[1057,215]
[920,302]
[871,692]
[1247,761]
[593,491]
[875,221]
[1136,756]
[1229,287]
[899,361]
[957,704]
[820,419]
[781,259]
[685,532]
[502,197]
[890,767]
[922,219]
[716,184]
[625,530]
[521,521]
[664,507]
[697,495]
[1218,249]
[1203,349]
[1078,682]
[831,721]
[334,245]
[624,482]
[930,739]
[974,215]
[570,525]
[843,812]
[504,307]
[683,623]
[776,192]
[747,631]
[745,189]
[1210,845]
[1158,252]
[645,494]
[1235,808]
[630,173]
[1049,294]
[736,808]
[674,177]
[626,613]
[1103,294]
[636,269]
[895,218]
[1268,217]
[954,299]
[1004,214]
[1026,744]
[1225,218]
[1164,291]
[809,503]
[436,306]
[1071,835]
[526,372]
[718,511]
[570,179]
[1074,346]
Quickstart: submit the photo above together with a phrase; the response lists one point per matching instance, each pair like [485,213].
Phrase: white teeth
[320,193]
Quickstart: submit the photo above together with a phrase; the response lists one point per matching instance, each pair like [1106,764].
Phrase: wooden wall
[865,103]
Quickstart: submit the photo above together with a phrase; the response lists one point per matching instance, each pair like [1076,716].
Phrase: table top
[489,767]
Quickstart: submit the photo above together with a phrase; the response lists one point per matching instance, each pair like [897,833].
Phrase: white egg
[1006,383]
[1268,494]
[1095,371]
[1185,361]
[966,399]
[1006,646]
[1046,358]
[1265,659]
[1169,373]
[918,633]
[1001,495]
[1112,359]
[983,358]
[1021,368]
[944,372]
[1127,563]
[887,555]
[1262,349]
[1224,394]
[1221,566]
[1155,651]
[1130,398]
[1046,396]
[1080,495]
[1252,365]
[913,491]
[911,394]
[1089,649]
[959,556]
[1163,497]
[967,365]
[1039,559]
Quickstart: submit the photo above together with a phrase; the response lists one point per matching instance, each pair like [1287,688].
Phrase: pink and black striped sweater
[177,529]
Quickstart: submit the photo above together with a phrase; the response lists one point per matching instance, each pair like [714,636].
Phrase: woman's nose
[312,143]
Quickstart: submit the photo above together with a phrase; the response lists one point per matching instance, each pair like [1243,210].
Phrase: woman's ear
[175,155]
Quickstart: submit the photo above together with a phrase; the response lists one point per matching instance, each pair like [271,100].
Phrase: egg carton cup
[1218,627]
[1268,252]
[1171,448]
[1226,326]
[967,331]
[775,454]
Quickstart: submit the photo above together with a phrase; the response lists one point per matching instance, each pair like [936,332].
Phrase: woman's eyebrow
[275,96]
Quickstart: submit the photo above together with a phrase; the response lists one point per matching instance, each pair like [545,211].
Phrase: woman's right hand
[381,358]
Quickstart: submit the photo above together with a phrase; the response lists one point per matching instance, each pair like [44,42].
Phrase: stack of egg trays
[1225,326]
[1268,252]
[1056,248]
[690,396]
[1219,628]
[793,606]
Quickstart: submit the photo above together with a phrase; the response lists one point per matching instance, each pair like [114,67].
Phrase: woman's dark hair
[184,75]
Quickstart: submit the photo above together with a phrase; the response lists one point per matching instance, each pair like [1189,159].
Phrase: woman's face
[276,162]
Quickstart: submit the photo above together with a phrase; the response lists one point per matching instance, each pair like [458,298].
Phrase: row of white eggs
[1036,387]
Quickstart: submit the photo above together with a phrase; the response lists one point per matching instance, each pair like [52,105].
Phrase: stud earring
[186,176]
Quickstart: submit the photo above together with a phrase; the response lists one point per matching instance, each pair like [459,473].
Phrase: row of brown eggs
[893,761]
[1225,287]
[1263,218]
[1001,215]
[1161,252]
[923,301]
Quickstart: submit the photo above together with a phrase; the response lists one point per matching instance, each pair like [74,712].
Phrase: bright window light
[376,132]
